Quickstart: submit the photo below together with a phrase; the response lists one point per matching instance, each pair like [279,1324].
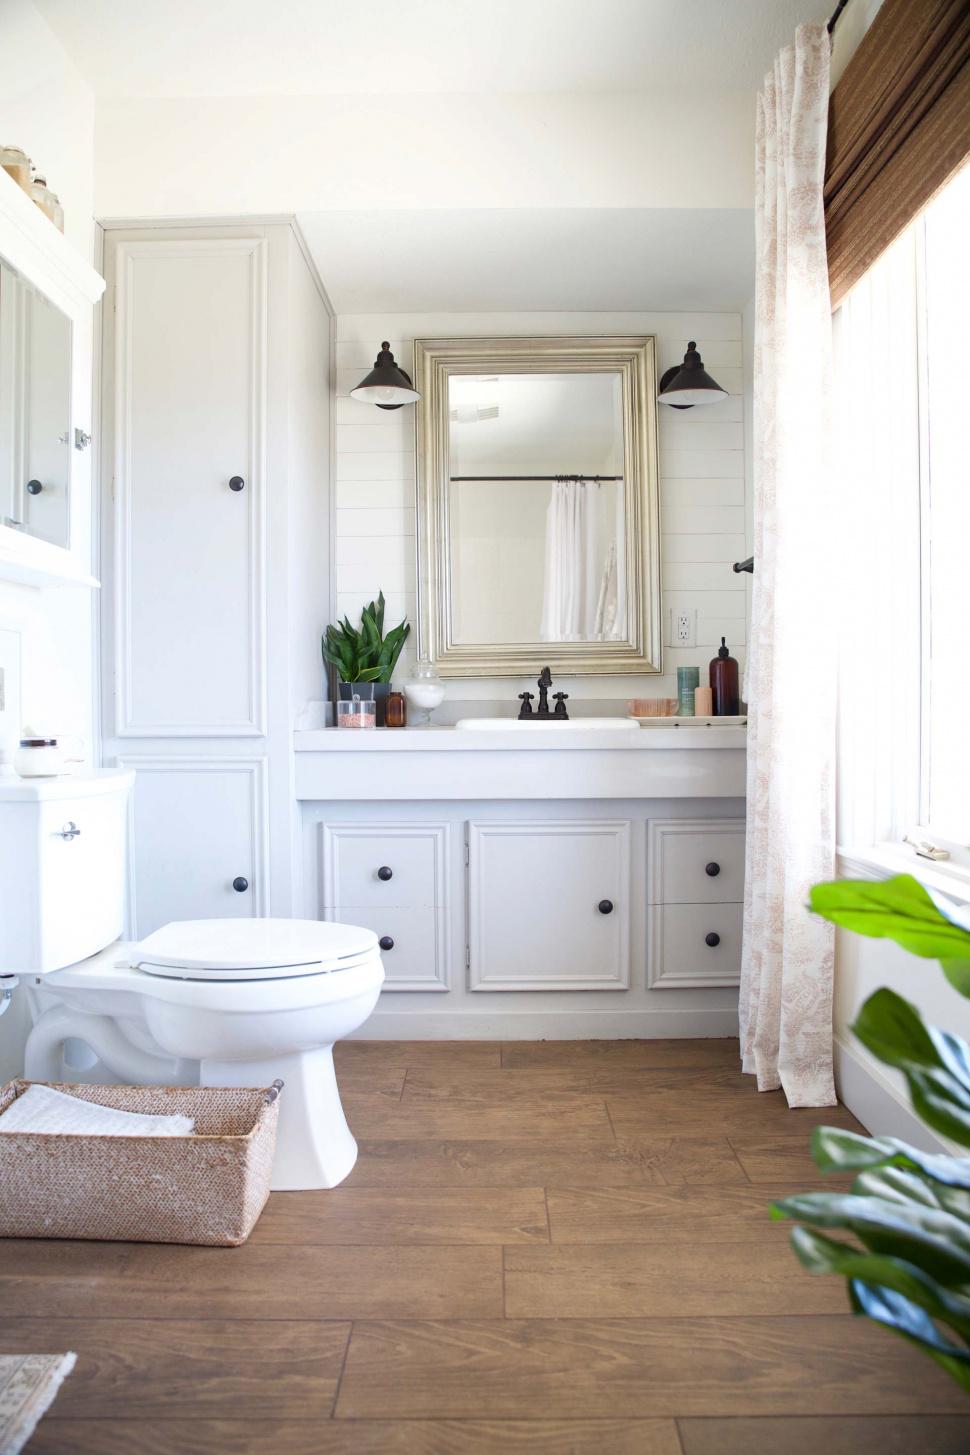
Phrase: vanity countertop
[463,740]
[441,763]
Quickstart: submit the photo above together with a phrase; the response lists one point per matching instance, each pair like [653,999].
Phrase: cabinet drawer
[385,866]
[417,959]
[697,862]
[679,953]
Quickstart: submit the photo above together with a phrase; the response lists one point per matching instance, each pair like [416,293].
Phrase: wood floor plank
[403,1055]
[695,1160]
[617,1055]
[527,1163]
[551,1083]
[354,1214]
[356,1437]
[665,1280]
[382,1083]
[847,1435]
[718,1112]
[666,1215]
[145,1369]
[579,1368]
[776,1158]
[569,1120]
[71,1279]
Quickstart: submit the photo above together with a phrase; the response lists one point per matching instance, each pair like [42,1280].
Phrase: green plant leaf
[936,1241]
[898,909]
[894,1311]
[936,1065]
[836,1150]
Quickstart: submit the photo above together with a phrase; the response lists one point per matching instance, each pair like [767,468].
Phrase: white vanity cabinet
[549,905]
[216,460]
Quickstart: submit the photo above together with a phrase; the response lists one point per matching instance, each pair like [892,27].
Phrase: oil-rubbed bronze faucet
[542,714]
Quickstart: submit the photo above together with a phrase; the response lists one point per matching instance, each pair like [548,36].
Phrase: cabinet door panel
[535,891]
[680,956]
[189,407]
[197,824]
[416,960]
[354,856]
[696,861]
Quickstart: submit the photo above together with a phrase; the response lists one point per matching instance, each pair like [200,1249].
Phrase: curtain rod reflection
[558,479]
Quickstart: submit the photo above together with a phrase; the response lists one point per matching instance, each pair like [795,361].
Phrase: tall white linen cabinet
[215,555]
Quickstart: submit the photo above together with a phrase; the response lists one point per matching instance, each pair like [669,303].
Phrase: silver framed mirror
[537,505]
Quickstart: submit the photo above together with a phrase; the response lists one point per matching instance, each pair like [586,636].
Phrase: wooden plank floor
[552,1248]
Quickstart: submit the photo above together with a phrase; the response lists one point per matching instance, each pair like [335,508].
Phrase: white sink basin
[580,724]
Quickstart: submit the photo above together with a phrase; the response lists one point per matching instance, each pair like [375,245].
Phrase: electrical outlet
[683,627]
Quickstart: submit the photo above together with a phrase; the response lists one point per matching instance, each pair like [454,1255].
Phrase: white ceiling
[491,260]
[152,48]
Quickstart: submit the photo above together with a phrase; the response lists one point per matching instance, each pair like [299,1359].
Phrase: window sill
[882,861]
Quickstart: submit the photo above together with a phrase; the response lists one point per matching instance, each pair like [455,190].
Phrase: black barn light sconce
[387,386]
[688,383]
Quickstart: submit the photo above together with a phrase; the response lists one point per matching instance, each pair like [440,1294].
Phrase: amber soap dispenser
[724,683]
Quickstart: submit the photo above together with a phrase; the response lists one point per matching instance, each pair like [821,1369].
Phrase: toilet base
[314,1145]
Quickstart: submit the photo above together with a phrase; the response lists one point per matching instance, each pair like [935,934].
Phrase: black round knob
[712,869]
[34,487]
[385,873]
[712,939]
[237,483]
[605,906]
[240,885]
[386,943]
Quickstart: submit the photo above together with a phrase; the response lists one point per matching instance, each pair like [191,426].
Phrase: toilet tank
[62,868]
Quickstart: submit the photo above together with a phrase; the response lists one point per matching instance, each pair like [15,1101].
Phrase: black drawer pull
[605,906]
[34,487]
[385,873]
[240,885]
[712,939]
[237,483]
[386,943]
[712,870]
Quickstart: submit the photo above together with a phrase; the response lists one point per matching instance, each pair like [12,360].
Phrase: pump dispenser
[724,683]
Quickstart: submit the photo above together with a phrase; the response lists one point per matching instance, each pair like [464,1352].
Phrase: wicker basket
[209,1187]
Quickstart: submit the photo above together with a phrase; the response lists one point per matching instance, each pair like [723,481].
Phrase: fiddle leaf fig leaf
[898,909]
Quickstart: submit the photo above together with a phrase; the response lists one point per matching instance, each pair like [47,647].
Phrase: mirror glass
[537,512]
[35,411]
[536,508]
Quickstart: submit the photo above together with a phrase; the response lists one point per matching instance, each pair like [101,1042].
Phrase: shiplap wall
[702,481]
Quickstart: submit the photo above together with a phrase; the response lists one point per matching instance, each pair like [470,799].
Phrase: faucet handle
[526,699]
[560,700]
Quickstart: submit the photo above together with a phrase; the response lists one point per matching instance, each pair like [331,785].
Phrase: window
[902,540]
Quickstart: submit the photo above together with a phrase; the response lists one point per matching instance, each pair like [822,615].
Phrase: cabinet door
[693,945]
[549,905]
[196,827]
[696,861]
[189,391]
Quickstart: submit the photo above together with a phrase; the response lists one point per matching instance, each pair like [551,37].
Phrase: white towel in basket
[42,1109]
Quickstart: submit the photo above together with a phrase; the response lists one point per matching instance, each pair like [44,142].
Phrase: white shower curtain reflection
[584,586]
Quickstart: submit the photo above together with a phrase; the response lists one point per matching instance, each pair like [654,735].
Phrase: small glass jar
[356,713]
[44,197]
[17,165]
[395,710]
[424,691]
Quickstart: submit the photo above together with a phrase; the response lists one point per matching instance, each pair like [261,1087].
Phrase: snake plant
[365,655]
[908,1213]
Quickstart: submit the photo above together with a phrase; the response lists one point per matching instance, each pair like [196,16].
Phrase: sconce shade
[688,383]
[386,385]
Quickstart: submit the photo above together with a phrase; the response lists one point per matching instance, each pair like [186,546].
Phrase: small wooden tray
[677,722]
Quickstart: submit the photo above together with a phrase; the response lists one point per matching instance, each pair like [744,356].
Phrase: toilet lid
[250,949]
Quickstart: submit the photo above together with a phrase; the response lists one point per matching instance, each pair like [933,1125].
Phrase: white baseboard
[877,1103]
[606,1025]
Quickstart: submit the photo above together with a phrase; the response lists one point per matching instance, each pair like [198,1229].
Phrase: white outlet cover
[682,627]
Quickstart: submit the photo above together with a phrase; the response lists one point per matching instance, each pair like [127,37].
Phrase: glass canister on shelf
[17,165]
[424,691]
[396,710]
[44,197]
[356,712]
[687,679]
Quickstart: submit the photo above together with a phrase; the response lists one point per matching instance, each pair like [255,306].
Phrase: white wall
[46,108]
[702,478]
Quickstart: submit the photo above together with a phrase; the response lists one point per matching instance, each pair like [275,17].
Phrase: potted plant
[908,1214]
[364,659]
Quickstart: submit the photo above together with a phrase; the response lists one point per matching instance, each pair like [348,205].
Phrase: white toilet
[225,1002]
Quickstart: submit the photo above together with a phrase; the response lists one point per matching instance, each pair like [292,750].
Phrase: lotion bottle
[724,683]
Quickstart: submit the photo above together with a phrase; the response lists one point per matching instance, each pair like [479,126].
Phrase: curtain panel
[899,127]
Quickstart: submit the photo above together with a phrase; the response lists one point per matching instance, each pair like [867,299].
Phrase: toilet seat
[251,949]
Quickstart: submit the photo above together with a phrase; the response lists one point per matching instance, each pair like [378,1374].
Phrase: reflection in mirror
[536,508]
[35,411]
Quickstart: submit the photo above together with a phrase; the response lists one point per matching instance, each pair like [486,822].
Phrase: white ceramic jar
[43,757]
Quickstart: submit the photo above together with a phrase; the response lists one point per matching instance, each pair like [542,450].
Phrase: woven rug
[28,1386]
